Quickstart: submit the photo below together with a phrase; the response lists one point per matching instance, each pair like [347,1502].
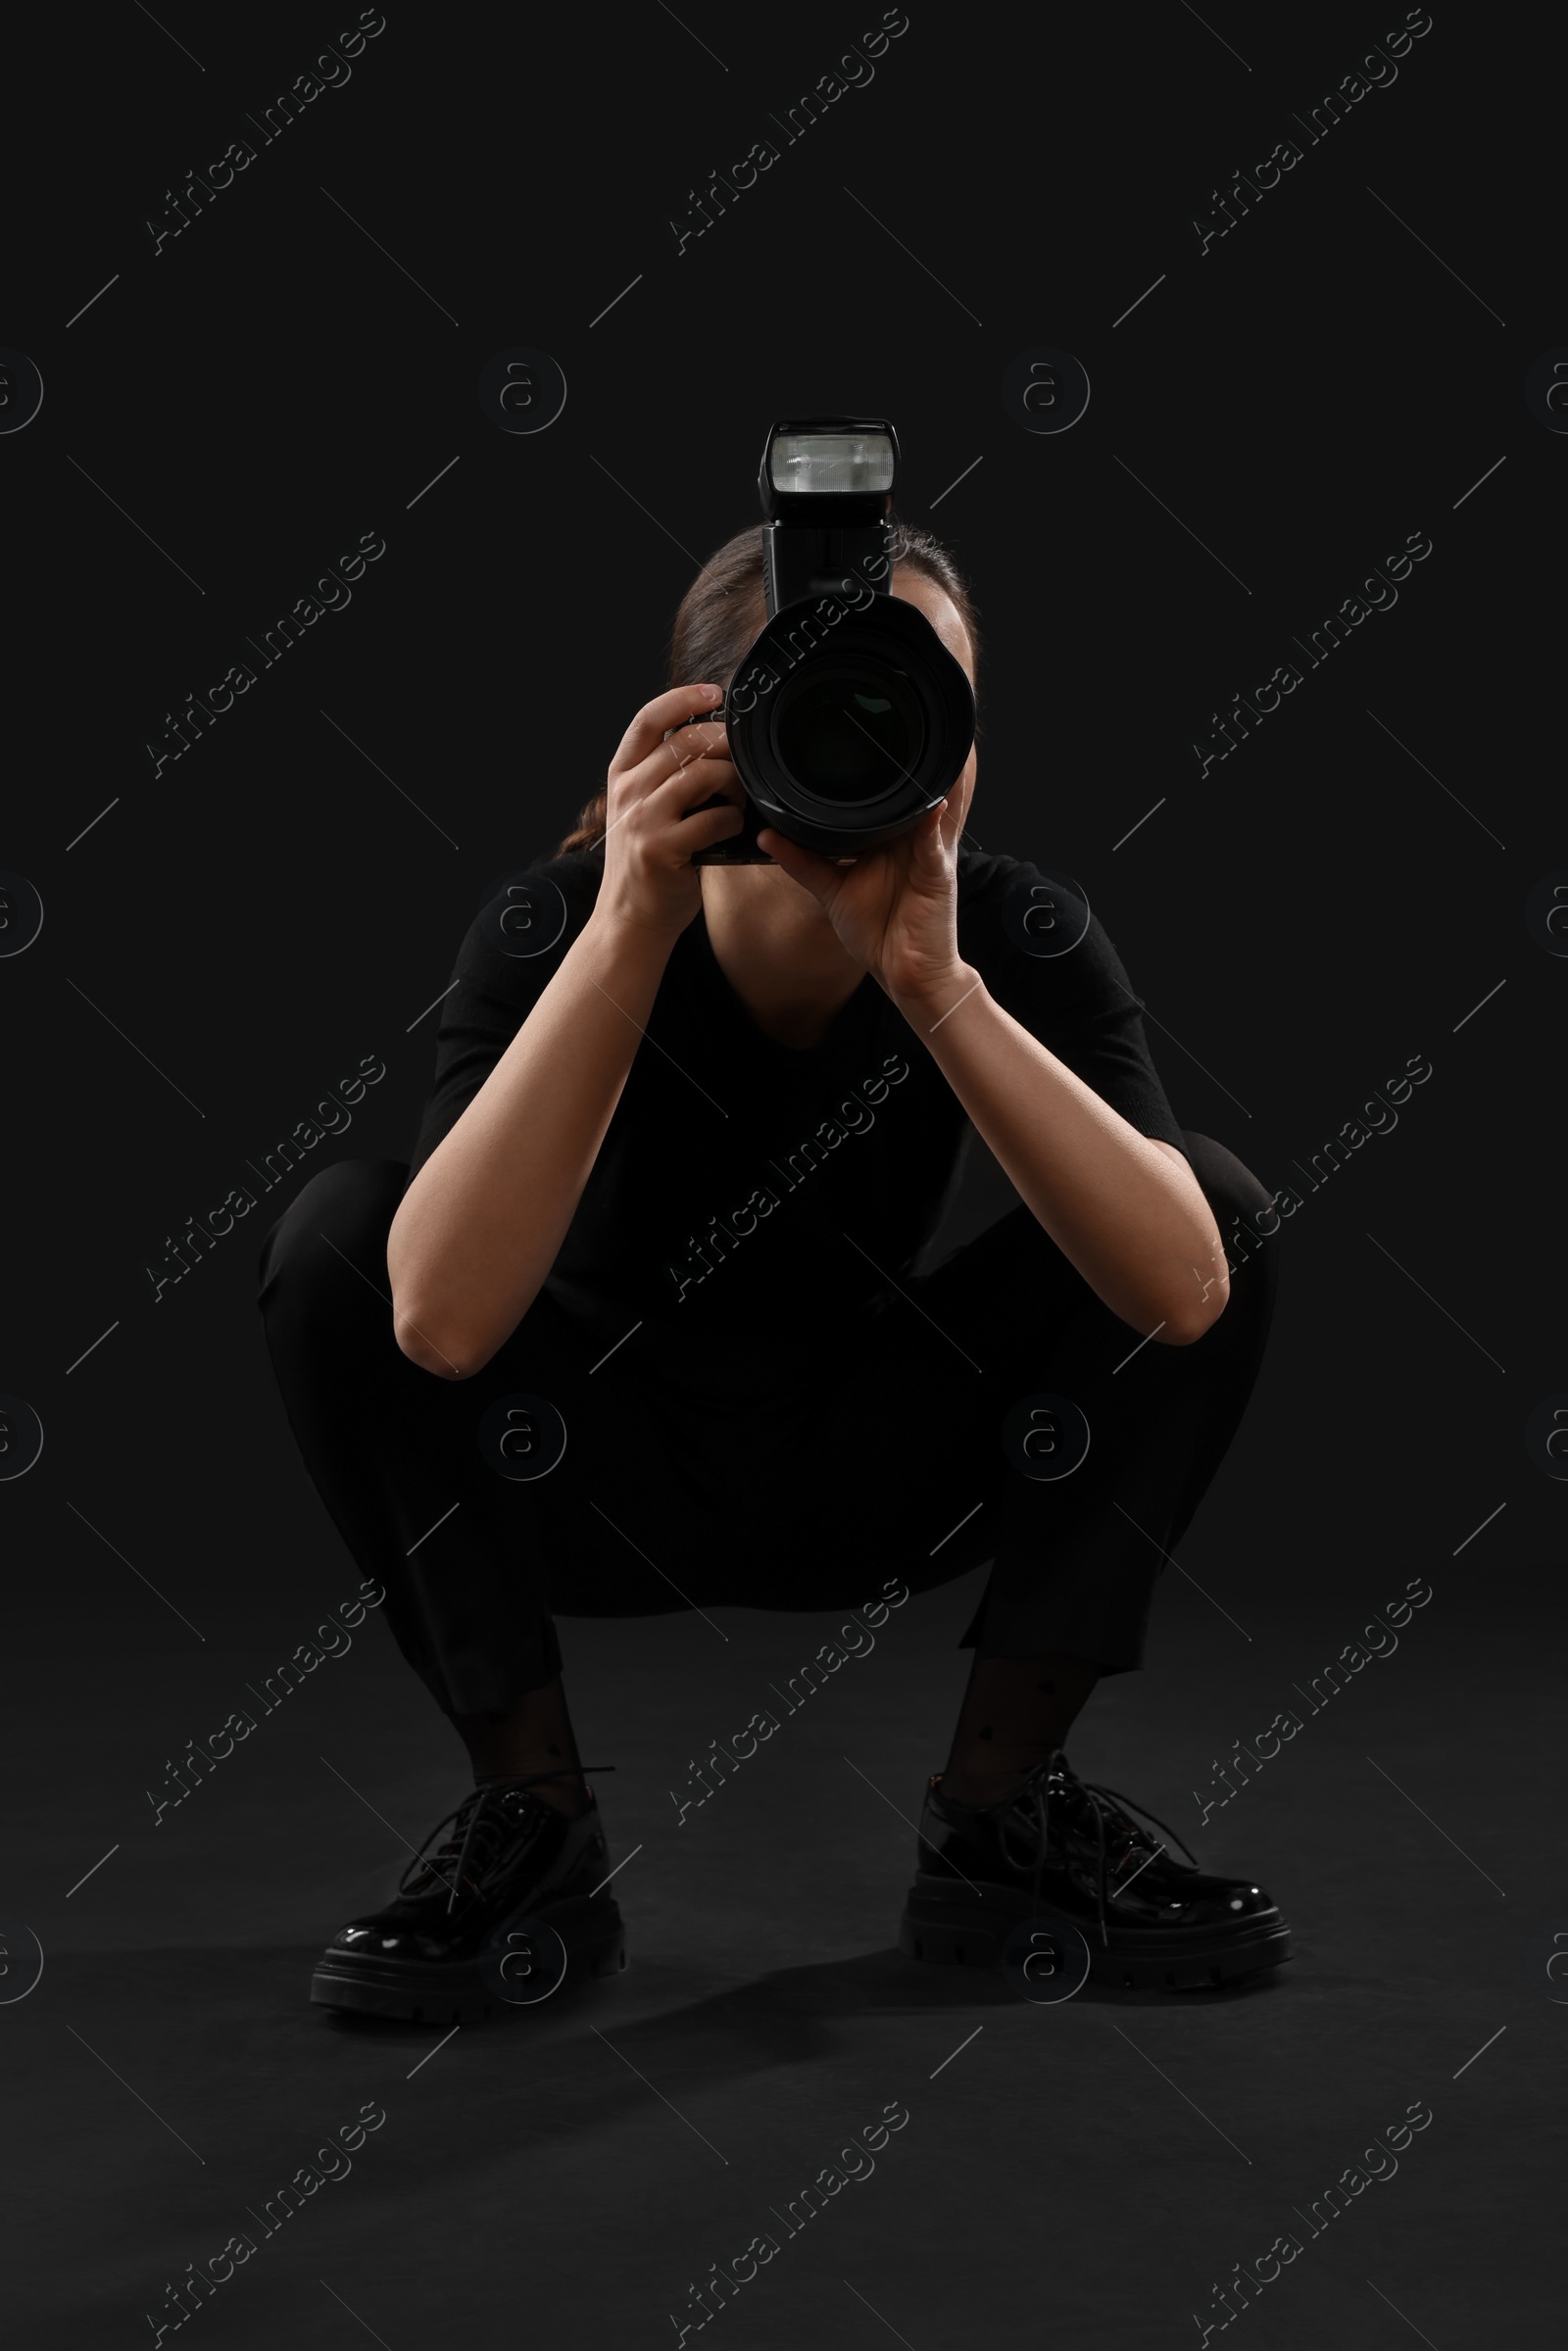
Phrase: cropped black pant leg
[392,1453]
[893,1464]
[1006,1331]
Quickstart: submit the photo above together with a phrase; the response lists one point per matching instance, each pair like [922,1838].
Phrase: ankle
[564,1791]
[570,1794]
[990,1780]
[532,1735]
[976,1789]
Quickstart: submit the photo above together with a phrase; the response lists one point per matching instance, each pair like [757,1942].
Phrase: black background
[251,920]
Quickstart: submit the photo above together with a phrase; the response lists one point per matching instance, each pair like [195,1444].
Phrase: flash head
[848,718]
[827,460]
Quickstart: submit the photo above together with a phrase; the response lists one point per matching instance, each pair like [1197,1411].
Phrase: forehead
[940,610]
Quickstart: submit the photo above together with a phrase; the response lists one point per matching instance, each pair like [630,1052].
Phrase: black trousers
[924,1442]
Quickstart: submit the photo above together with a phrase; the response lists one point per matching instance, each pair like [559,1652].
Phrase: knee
[1231,1189]
[331,1239]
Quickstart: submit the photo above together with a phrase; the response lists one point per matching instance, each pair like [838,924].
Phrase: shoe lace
[481,1827]
[1054,1779]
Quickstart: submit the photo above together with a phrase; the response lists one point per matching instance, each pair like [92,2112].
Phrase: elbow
[1186,1324]
[423,1324]
[1192,1310]
[446,1318]
[421,1337]
[452,1344]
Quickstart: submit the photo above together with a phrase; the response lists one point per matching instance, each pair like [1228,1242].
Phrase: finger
[694,752]
[698,741]
[933,838]
[689,786]
[818,875]
[680,748]
[705,826]
[655,717]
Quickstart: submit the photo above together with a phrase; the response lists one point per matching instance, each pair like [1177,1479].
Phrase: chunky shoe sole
[946,1928]
[423,1993]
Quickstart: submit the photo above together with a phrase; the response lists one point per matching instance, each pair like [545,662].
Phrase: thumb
[929,846]
[818,875]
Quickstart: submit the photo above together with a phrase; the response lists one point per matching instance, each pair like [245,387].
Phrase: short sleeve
[513,949]
[1065,982]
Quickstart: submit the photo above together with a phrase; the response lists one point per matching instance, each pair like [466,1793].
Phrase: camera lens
[847,723]
[850,732]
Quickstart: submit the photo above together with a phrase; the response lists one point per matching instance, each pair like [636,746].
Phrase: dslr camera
[848,718]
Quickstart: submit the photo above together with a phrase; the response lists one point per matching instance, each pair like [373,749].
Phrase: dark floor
[1081,2174]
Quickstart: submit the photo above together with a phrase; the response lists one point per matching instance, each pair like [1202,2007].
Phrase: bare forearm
[1131,1218]
[478,1228]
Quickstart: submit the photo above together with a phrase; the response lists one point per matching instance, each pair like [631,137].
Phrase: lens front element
[849,733]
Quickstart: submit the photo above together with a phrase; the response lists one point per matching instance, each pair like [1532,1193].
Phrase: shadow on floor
[778,2014]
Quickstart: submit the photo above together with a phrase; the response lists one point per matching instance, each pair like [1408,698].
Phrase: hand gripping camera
[848,718]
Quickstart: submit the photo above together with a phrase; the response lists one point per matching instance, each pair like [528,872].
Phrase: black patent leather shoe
[1061,1847]
[502,1858]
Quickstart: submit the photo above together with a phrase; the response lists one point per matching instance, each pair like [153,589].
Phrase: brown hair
[722,612]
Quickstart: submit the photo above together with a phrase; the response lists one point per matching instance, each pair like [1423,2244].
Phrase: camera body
[848,718]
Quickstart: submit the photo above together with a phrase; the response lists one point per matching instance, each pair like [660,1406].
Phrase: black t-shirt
[730,1155]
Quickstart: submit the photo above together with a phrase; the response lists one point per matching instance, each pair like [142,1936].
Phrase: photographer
[638,1240]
